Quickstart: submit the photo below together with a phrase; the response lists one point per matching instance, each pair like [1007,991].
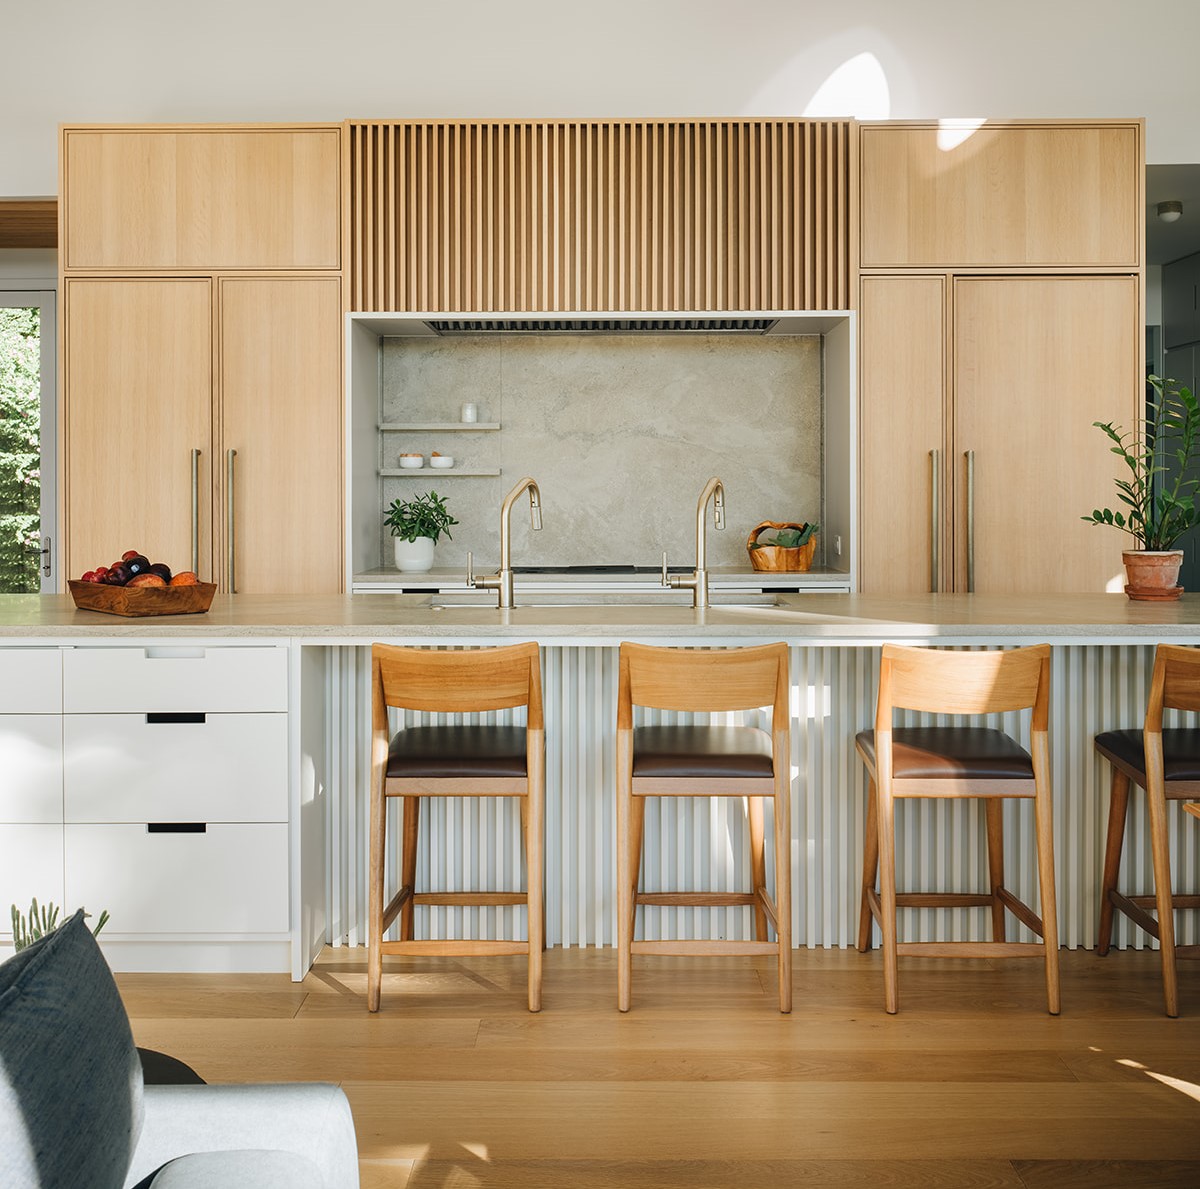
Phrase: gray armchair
[74,1110]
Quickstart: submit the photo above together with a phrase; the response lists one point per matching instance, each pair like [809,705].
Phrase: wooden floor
[454,1084]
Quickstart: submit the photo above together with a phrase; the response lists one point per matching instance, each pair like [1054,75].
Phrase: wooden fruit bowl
[775,558]
[143,600]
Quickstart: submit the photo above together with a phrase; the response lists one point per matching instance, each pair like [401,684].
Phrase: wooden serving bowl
[776,559]
[143,600]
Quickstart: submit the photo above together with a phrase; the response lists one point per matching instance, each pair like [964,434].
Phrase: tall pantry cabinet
[1001,309]
[201,351]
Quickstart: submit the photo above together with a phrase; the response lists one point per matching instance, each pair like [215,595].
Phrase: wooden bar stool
[958,761]
[454,761]
[705,761]
[1167,765]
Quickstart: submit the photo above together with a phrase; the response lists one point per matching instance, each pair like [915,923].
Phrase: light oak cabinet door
[201,198]
[137,404]
[1011,195]
[902,393]
[1036,361]
[281,496]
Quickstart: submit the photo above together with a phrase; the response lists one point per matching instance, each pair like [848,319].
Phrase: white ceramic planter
[414,557]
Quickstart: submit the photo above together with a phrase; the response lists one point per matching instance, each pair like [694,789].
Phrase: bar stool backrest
[704,680]
[946,682]
[1175,683]
[462,681]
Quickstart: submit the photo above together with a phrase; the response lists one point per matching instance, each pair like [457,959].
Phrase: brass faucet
[502,580]
[697,581]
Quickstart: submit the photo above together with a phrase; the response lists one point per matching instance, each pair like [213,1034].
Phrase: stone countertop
[802,618]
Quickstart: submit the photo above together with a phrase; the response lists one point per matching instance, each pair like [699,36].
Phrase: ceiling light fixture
[1170,212]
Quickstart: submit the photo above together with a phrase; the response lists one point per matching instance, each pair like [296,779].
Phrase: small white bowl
[441,462]
[412,462]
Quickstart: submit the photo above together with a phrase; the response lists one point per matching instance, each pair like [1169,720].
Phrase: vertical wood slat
[600,216]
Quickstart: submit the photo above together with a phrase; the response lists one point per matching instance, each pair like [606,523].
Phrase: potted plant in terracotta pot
[1162,503]
[416,525]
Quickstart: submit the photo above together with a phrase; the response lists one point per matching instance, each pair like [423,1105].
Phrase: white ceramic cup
[469,412]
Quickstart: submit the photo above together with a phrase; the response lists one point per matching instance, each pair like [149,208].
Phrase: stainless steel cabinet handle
[935,521]
[195,511]
[230,455]
[970,522]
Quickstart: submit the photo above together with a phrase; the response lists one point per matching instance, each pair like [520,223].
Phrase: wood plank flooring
[704,1084]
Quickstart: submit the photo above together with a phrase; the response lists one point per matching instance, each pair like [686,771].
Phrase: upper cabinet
[182,198]
[950,194]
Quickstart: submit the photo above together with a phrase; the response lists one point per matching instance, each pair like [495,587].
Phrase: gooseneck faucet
[502,580]
[697,582]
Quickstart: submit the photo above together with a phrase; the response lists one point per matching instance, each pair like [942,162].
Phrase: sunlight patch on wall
[952,133]
[858,88]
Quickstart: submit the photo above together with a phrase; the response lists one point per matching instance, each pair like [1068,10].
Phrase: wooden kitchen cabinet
[137,404]
[195,197]
[1028,364]
[946,194]
[142,397]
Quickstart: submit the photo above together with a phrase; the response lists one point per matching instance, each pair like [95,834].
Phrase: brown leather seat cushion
[930,753]
[1181,751]
[724,752]
[457,751]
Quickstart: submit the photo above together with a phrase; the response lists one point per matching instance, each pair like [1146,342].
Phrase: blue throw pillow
[70,1078]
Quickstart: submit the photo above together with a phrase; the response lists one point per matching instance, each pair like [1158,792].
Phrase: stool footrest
[453,948]
[471,898]
[1134,912]
[972,949]
[697,899]
[943,899]
[1180,900]
[705,948]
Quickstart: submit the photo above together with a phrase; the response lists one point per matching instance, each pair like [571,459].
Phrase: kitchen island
[278,793]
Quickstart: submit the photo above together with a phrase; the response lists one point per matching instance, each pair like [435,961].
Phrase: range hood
[577,325]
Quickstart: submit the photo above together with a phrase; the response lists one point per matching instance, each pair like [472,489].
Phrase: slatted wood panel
[630,215]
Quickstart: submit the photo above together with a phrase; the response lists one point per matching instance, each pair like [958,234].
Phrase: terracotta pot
[1153,575]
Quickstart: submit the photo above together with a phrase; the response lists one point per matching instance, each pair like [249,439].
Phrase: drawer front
[112,680]
[172,767]
[31,785]
[32,681]
[31,865]
[230,879]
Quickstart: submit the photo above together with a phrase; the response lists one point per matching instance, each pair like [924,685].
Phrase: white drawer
[30,681]
[31,783]
[156,768]
[111,680]
[31,865]
[230,879]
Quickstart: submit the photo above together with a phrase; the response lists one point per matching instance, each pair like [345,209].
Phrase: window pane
[20,450]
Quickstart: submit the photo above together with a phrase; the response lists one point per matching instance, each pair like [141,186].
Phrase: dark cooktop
[600,569]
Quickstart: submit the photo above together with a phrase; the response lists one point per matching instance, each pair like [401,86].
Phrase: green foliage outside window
[20,450]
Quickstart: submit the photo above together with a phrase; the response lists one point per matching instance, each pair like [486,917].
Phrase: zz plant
[422,516]
[1162,502]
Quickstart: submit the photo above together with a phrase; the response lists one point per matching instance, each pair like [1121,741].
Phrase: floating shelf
[448,472]
[438,426]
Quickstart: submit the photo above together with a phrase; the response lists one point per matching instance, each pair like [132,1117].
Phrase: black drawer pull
[176,716]
[177,827]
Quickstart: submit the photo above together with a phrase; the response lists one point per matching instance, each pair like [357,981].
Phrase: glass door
[27,443]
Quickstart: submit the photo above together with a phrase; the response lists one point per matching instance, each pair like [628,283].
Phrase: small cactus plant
[42,919]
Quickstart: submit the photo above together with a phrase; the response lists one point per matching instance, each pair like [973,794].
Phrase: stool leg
[758,862]
[626,873]
[1118,807]
[870,867]
[1160,852]
[534,804]
[375,898]
[994,808]
[886,816]
[408,864]
[783,884]
[1043,809]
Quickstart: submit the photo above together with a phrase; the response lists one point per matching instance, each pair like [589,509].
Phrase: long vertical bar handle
[970,522]
[935,521]
[195,511]
[230,455]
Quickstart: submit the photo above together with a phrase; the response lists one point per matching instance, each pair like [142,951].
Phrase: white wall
[247,60]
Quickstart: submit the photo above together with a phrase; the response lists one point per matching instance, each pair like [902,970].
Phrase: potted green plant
[416,525]
[1162,502]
